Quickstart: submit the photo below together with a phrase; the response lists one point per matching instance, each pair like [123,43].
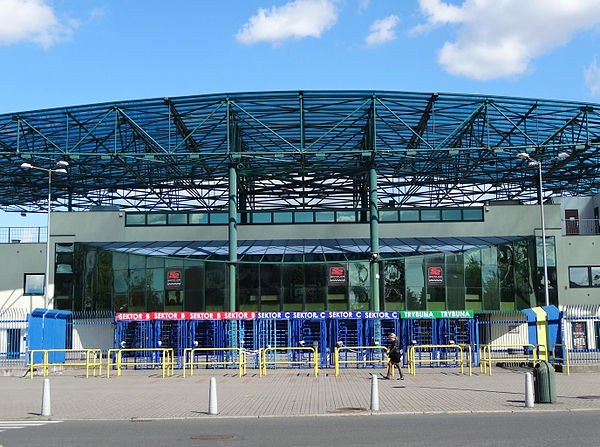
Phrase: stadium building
[307,202]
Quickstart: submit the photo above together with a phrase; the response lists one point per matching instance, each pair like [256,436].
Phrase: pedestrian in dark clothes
[394,357]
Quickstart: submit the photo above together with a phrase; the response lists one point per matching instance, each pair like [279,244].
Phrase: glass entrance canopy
[305,250]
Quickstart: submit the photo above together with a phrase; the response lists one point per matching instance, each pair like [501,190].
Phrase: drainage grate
[588,397]
[212,437]
[348,410]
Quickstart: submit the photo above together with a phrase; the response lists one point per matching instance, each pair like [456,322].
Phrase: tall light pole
[60,168]
[538,164]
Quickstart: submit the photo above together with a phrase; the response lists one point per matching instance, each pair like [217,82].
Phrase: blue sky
[70,52]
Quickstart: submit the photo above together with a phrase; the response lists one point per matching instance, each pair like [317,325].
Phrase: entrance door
[572,221]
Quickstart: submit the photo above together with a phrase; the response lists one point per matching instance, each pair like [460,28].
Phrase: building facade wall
[109,226]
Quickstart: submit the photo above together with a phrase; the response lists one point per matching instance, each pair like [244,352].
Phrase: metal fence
[23,235]
[92,330]
[504,331]
[581,333]
[13,337]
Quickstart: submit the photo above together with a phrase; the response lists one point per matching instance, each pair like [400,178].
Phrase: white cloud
[295,19]
[500,38]
[592,77]
[382,31]
[363,5]
[31,21]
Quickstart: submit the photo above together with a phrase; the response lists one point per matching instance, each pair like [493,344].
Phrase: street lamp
[60,168]
[535,163]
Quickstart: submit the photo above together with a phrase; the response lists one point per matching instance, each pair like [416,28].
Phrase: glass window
[595,278]
[135,219]
[455,281]
[248,279]
[219,218]
[303,217]
[415,283]
[472,214]
[393,285]
[473,294]
[64,268]
[430,215]
[506,277]
[64,248]
[293,287]
[409,215]
[282,217]
[325,216]
[157,219]
[270,287]
[388,215]
[453,214]
[177,219]
[345,216]
[216,288]
[489,275]
[436,280]
[316,286]
[137,262]
[261,217]
[523,274]
[198,218]
[579,277]
[193,281]
[359,285]
[33,284]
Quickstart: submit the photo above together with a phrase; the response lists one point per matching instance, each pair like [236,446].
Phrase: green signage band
[436,314]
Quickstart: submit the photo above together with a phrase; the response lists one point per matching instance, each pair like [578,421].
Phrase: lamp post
[60,168]
[538,164]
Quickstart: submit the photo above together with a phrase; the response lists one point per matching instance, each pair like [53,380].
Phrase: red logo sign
[435,275]
[337,275]
[174,279]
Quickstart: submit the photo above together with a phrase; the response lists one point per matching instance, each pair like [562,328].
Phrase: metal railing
[263,361]
[23,235]
[153,357]
[361,354]
[580,226]
[559,360]
[212,359]
[93,359]
[438,354]
[522,353]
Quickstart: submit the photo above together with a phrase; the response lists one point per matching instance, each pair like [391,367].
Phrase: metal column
[374,227]
[232,236]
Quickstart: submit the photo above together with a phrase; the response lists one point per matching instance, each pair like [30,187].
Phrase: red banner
[143,316]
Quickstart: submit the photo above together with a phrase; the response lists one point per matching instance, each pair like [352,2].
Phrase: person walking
[394,357]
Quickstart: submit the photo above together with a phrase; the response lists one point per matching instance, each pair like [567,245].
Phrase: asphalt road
[573,428]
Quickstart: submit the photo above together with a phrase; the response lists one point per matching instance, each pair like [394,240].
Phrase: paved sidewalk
[284,392]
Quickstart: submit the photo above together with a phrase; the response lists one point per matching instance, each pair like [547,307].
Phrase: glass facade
[505,277]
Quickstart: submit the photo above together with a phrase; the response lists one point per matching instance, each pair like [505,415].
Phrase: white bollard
[212,397]
[374,394]
[46,398]
[529,390]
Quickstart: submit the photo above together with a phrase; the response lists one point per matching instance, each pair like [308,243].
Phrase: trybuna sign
[420,314]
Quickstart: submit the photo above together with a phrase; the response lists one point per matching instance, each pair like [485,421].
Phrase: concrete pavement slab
[144,394]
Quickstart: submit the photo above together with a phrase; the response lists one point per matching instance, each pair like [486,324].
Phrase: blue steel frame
[300,150]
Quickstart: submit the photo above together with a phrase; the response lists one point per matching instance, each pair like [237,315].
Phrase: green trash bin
[544,384]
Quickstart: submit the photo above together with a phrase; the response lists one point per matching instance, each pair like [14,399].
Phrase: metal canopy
[304,250]
[299,150]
